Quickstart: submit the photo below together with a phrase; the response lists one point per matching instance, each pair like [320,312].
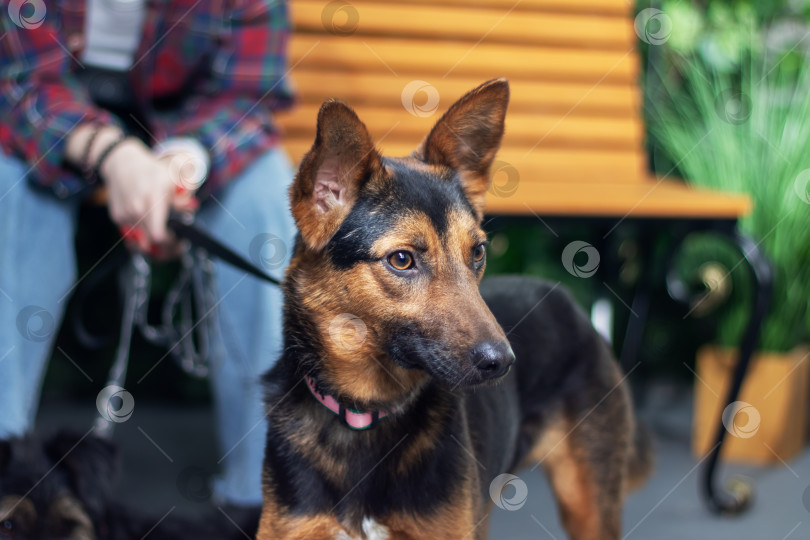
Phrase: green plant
[719,30]
[748,131]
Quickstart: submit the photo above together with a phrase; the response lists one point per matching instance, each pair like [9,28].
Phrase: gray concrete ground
[169,451]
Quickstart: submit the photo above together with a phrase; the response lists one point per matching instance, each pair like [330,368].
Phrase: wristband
[87,169]
[105,153]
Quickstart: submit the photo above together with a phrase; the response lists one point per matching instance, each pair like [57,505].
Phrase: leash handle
[185,229]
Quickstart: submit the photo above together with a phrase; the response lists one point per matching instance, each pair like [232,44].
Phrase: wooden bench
[574,142]
[574,129]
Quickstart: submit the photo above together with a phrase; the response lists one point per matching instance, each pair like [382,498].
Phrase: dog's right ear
[467,138]
[332,173]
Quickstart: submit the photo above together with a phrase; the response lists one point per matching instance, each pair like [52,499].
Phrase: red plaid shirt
[225,59]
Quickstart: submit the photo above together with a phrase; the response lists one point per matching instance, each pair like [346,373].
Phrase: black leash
[183,227]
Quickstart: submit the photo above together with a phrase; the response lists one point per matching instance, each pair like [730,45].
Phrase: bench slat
[541,166]
[650,199]
[619,8]
[384,89]
[426,59]
[524,130]
[446,23]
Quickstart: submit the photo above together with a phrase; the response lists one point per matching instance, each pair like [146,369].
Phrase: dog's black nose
[493,358]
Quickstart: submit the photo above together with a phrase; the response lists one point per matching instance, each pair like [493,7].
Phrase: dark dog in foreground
[403,389]
[63,489]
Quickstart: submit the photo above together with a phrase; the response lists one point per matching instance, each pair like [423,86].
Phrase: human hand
[142,184]
[139,192]
[187,170]
[142,188]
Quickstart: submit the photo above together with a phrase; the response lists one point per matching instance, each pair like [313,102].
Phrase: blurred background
[724,88]
[722,37]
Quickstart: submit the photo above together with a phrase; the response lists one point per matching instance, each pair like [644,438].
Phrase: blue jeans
[38,270]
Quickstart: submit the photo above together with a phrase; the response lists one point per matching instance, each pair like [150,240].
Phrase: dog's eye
[479,252]
[401,260]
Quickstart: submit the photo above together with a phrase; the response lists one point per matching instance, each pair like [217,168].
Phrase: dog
[404,389]
[62,488]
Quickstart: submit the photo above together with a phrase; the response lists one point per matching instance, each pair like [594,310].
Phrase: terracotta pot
[768,423]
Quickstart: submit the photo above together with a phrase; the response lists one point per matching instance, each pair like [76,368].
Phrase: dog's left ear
[340,162]
[468,136]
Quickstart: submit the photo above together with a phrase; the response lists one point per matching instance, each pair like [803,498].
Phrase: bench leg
[639,313]
[634,332]
[720,501]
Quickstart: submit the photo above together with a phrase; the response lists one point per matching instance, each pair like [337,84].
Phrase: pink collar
[356,420]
